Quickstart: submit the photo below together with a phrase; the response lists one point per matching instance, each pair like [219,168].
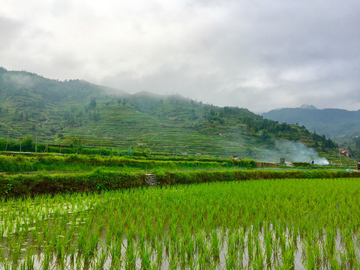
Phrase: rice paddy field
[264,224]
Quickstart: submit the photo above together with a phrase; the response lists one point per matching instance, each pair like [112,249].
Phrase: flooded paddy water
[267,224]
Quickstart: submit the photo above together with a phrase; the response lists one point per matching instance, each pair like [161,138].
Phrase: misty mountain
[307,106]
[55,112]
[32,88]
[334,123]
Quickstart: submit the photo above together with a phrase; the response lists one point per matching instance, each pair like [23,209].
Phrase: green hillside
[340,125]
[56,112]
[330,122]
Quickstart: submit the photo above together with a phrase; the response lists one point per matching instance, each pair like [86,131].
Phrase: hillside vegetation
[340,125]
[77,113]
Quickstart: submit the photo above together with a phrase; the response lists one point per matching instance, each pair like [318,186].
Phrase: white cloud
[255,54]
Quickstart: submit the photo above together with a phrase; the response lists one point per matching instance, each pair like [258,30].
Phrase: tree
[356,140]
[92,104]
[27,143]
[124,101]
[77,142]
[192,115]
[265,136]
[3,144]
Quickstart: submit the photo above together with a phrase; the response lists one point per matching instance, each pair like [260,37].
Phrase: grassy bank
[97,180]
[20,163]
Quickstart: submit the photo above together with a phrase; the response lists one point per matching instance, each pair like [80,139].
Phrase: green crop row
[21,163]
[30,185]
[29,146]
[284,224]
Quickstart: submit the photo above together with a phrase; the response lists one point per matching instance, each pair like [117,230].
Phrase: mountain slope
[56,112]
[330,122]
[340,125]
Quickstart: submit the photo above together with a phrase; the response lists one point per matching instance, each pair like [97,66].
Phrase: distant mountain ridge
[304,106]
[308,107]
[332,123]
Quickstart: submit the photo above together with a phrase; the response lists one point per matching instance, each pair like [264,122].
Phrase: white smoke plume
[321,161]
[294,152]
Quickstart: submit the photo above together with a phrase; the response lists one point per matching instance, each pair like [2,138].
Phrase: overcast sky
[257,54]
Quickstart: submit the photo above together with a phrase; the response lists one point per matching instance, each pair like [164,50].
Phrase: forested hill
[31,89]
[56,112]
[330,122]
[341,126]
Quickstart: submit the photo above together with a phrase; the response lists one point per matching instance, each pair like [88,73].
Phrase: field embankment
[97,180]
[19,163]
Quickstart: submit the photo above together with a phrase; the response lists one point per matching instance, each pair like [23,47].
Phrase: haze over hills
[330,122]
[342,126]
[57,111]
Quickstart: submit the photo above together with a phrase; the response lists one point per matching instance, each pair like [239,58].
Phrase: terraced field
[268,224]
[55,112]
